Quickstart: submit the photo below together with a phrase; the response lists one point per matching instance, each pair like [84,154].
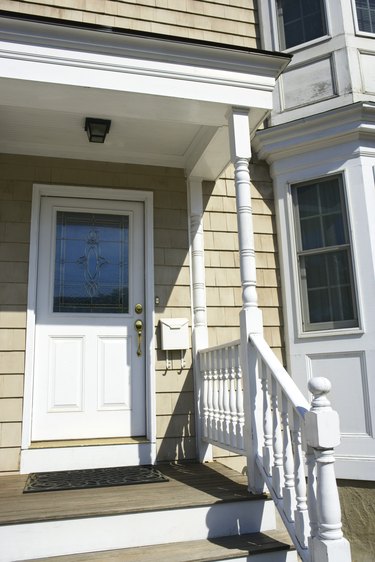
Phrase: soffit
[165,110]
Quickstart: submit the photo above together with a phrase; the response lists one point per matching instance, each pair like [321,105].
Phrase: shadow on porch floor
[189,484]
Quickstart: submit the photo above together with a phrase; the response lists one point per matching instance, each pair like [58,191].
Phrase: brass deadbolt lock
[138,308]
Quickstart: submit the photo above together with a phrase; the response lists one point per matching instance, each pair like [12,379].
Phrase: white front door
[89,366]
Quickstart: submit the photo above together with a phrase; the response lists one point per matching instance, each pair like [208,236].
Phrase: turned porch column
[198,297]
[250,316]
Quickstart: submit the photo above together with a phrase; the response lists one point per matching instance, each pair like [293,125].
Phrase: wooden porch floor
[189,485]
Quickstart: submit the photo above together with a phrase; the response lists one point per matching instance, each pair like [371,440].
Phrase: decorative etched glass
[91,263]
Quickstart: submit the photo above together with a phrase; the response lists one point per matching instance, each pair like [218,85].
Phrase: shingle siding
[230,23]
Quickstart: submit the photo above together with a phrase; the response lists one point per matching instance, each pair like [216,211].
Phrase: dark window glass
[91,263]
[324,255]
[366,15]
[300,21]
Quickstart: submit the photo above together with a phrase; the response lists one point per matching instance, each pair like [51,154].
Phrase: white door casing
[83,376]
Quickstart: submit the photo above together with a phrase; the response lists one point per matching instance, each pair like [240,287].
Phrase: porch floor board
[189,485]
[223,548]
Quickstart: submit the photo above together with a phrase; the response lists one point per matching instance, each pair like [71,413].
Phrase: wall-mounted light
[97,129]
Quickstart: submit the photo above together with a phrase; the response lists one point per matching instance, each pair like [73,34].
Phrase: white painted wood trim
[91,534]
[152,55]
[301,177]
[146,197]
[198,301]
[97,456]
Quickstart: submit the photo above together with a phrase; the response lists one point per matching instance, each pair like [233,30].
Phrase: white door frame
[65,458]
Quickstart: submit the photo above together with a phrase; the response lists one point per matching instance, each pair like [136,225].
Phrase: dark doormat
[92,478]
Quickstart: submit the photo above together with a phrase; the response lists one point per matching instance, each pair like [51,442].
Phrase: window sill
[338,332]
[307,45]
[367,34]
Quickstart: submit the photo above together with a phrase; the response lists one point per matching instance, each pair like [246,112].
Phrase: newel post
[250,316]
[322,435]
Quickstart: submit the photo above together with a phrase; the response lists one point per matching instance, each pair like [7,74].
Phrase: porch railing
[291,441]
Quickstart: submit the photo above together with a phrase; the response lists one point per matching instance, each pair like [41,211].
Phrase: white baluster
[289,497]
[210,396]
[311,492]
[301,515]
[239,405]
[215,395]
[221,356]
[267,421]
[204,379]
[227,416]
[232,396]
[277,469]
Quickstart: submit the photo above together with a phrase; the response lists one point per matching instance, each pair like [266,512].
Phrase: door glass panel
[91,264]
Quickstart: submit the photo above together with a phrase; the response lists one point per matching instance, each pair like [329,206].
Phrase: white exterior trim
[198,299]
[92,534]
[59,54]
[146,197]
[97,456]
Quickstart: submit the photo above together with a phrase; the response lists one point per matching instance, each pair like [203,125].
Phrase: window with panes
[300,21]
[324,255]
[366,15]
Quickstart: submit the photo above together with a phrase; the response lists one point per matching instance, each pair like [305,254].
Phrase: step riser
[281,556]
[54,538]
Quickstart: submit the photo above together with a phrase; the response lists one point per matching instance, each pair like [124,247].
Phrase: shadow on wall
[178,441]
[358,516]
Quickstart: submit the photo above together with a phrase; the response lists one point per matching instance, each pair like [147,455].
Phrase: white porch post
[198,298]
[250,316]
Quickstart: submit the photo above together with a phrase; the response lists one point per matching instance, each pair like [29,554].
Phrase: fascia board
[43,64]
[250,68]
[131,45]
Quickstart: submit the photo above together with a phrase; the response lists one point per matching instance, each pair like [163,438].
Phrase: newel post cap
[321,422]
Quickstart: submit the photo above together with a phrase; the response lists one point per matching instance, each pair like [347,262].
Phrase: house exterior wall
[171,284]
[358,517]
[174,387]
[229,23]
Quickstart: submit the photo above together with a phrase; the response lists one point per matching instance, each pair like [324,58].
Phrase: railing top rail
[295,396]
[221,346]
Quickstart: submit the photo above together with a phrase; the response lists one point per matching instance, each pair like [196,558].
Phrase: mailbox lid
[174,333]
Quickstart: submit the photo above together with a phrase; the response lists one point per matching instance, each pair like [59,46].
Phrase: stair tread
[189,485]
[221,548]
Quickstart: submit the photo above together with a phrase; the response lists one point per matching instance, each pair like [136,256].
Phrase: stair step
[199,502]
[267,547]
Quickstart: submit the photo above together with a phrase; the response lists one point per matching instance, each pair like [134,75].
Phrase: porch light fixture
[97,129]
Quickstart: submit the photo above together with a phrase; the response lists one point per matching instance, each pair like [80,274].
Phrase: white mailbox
[174,333]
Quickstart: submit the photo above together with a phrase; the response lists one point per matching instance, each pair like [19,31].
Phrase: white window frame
[358,31]
[279,31]
[308,328]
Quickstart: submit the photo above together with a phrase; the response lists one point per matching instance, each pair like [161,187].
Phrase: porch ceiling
[168,102]
[48,120]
